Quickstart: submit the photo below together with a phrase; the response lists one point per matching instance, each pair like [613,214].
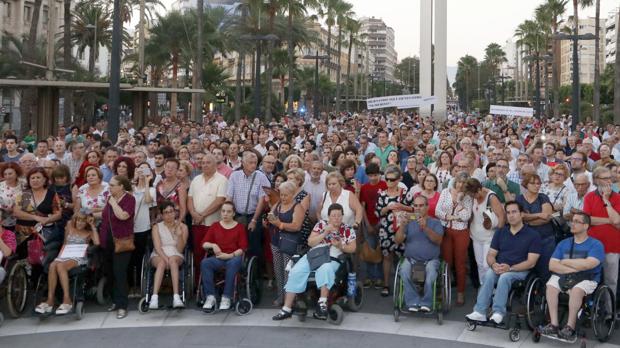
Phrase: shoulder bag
[569,280]
[121,245]
[318,256]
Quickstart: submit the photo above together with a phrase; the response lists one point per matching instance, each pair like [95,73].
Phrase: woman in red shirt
[228,240]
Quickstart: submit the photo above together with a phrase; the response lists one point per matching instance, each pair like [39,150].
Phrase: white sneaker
[425,309]
[497,318]
[154,303]
[64,309]
[43,308]
[209,303]
[224,303]
[176,302]
[475,316]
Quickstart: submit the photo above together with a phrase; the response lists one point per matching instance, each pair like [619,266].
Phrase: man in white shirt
[207,193]
[261,147]
[315,186]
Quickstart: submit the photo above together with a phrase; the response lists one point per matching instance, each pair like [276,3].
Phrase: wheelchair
[83,281]
[338,297]
[14,289]
[522,299]
[442,290]
[594,313]
[186,278]
[247,290]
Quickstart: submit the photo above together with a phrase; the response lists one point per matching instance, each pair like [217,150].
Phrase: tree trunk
[197,71]
[555,72]
[173,96]
[596,111]
[240,59]
[66,43]
[269,80]
[338,67]
[28,104]
[347,106]
[291,58]
[329,55]
[617,79]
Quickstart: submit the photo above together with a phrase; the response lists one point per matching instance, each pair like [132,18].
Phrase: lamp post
[258,39]
[502,78]
[576,87]
[315,98]
[115,73]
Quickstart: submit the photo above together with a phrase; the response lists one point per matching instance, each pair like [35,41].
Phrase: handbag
[561,230]
[35,251]
[368,254]
[569,280]
[289,241]
[489,218]
[318,256]
[121,245]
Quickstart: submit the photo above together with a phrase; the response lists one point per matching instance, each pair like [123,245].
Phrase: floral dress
[7,201]
[172,195]
[93,202]
[388,223]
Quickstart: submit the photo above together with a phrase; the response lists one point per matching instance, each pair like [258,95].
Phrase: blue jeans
[298,276]
[504,284]
[412,297]
[210,265]
[374,271]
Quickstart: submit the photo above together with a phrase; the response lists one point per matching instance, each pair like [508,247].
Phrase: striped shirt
[240,187]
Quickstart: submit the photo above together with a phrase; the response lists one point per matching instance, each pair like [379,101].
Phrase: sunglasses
[391,179]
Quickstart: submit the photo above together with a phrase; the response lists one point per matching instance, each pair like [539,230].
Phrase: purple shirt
[120,228]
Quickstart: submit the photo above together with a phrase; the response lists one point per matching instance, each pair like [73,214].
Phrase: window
[45,15]
[27,13]
[7,13]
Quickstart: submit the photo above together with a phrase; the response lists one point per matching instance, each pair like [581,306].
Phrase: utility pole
[141,40]
[197,71]
[115,74]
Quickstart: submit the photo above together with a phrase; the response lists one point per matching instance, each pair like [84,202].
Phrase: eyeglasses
[419,205]
[578,222]
[604,178]
[501,166]
[391,179]
[168,212]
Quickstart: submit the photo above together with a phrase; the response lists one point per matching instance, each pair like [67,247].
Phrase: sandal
[122,313]
[282,314]
[385,292]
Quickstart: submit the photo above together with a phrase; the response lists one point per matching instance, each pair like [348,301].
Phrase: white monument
[439,19]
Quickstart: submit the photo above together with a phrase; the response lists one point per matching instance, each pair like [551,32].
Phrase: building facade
[586,53]
[380,40]
[611,36]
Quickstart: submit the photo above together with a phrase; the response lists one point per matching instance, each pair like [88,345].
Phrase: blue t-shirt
[535,207]
[513,248]
[418,246]
[591,247]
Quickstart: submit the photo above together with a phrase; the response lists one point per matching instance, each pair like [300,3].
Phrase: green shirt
[383,154]
[513,188]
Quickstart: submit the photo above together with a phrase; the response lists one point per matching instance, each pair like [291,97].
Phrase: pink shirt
[225,170]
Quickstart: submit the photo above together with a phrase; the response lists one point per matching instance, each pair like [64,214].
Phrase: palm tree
[530,35]
[169,33]
[89,21]
[67,57]
[328,12]
[494,55]
[465,71]
[555,9]
[344,13]
[353,28]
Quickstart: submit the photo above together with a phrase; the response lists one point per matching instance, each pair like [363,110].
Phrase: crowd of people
[273,190]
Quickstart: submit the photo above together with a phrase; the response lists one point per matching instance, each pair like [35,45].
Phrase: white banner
[511,111]
[399,101]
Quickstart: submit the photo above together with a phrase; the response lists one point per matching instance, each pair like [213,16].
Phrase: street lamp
[316,58]
[502,78]
[576,88]
[258,39]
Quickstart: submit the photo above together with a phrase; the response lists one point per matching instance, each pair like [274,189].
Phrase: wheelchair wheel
[396,315]
[446,295]
[397,297]
[79,310]
[189,275]
[536,303]
[243,306]
[470,326]
[603,314]
[1,319]
[143,306]
[354,303]
[17,289]
[335,315]
[144,273]
[440,318]
[514,335]
[253,282]
[102,298]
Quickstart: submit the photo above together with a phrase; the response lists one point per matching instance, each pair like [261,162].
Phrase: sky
[472,24]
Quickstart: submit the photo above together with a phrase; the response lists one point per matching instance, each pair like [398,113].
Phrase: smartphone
[145,171]
[414,216]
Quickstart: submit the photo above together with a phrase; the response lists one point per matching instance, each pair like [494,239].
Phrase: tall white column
[426,41]
[441,48]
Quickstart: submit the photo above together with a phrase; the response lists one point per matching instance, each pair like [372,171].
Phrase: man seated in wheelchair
[8,244]
[329,239]
[576,267]
[228,241]
[169,240]
[80,230]
[514,250]
[422,236]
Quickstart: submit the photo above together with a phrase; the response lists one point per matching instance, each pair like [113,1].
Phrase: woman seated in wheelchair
[8,244]
[329,239]
[228,241]
[422,236]
[81,229]
[576,267]
[169,240]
